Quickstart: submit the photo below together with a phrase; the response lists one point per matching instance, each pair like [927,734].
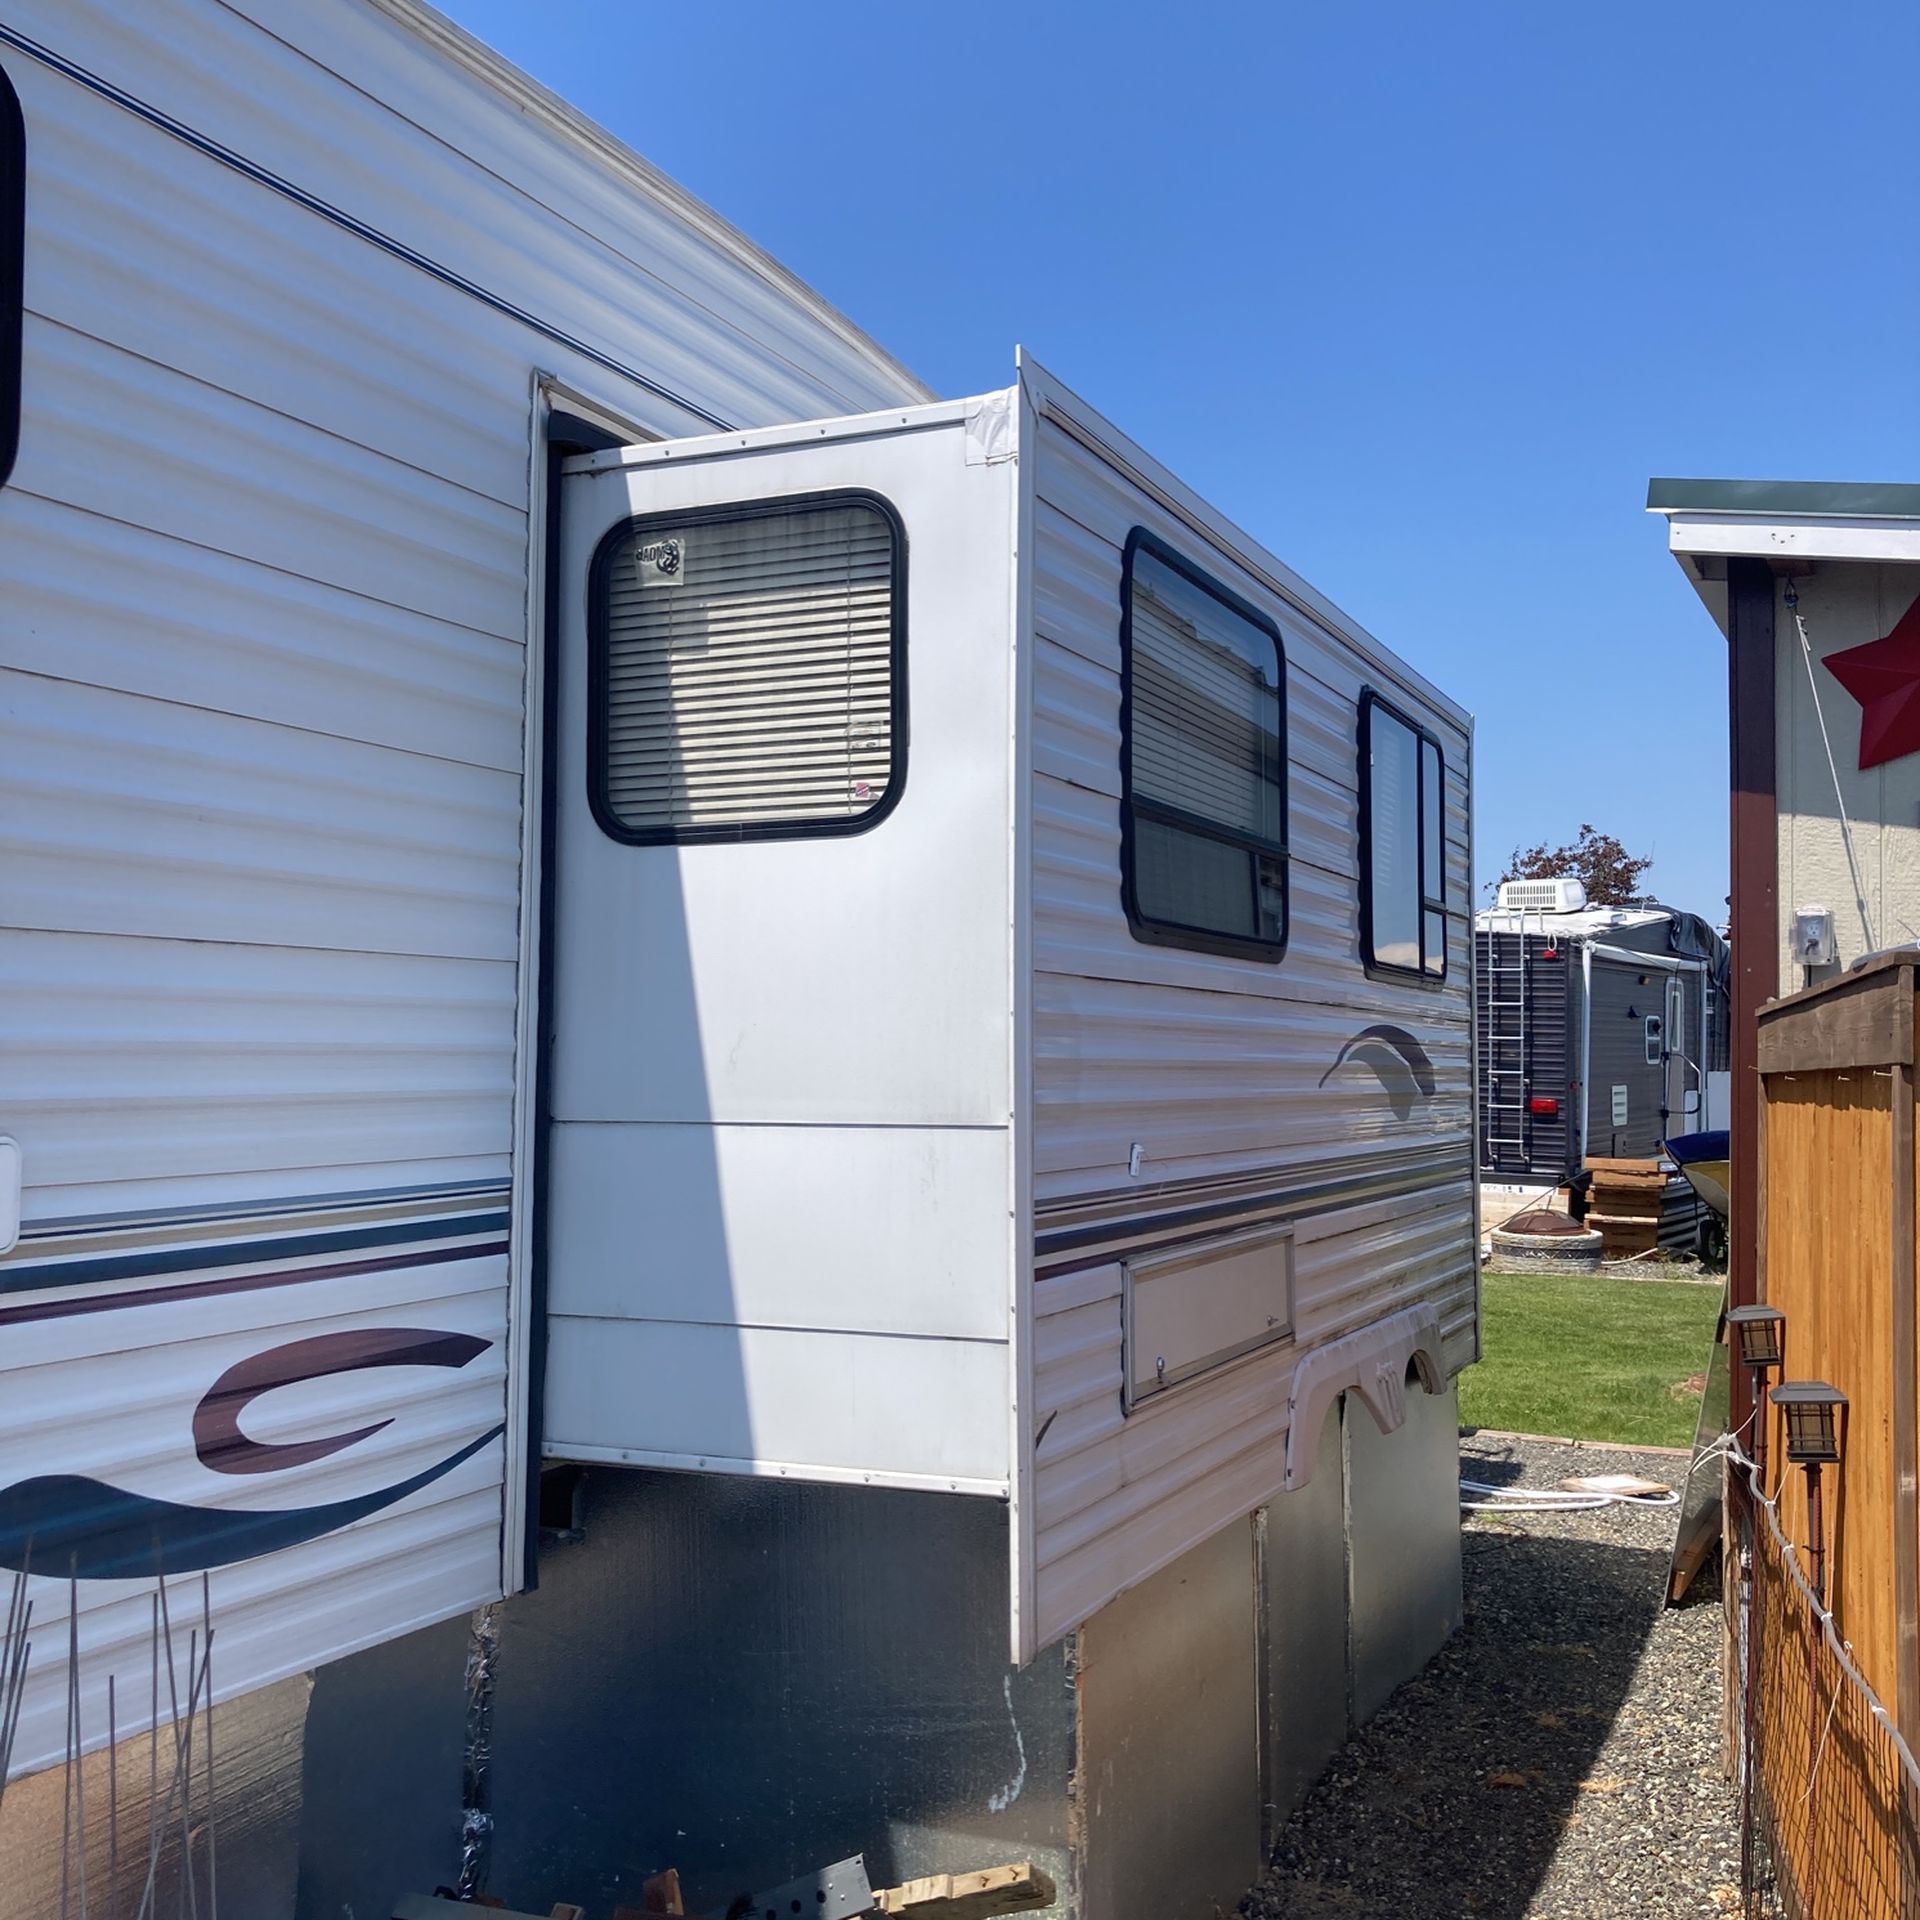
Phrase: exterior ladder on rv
[1508,1140]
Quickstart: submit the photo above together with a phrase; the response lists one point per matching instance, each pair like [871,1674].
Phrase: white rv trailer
[899,951]
[309,292]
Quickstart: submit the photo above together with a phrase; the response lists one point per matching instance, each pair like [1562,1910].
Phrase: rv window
[13,224]
[1203,815]
[749,678]
[1403,870]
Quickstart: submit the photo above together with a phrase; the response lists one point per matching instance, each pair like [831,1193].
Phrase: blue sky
[1421,295]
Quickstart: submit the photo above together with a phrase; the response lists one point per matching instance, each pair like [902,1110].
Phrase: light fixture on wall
[1760,1336]
[1812,1410]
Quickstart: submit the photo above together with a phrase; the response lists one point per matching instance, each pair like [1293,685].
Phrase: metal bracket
[834,1893]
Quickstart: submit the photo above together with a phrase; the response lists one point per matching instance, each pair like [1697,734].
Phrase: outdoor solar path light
[1812,1410]
[1760,1333]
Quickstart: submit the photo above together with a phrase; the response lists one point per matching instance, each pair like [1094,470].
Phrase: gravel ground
[1560,1758]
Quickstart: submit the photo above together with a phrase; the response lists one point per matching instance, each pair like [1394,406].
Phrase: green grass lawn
[1591,1358]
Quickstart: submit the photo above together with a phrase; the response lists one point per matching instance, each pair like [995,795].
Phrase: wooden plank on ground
[1693,1551]
[969,1896]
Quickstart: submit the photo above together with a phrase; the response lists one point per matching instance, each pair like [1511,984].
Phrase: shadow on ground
[1490,1469]
[1482,1777]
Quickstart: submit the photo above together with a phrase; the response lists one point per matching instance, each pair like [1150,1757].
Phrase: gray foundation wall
[1403,1543]
[743,1679]
[1168,1794]
[1213,1695]
[748,1679]
[250,1809]
[1304,1614]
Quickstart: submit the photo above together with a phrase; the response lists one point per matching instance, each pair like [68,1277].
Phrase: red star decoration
[1884,676]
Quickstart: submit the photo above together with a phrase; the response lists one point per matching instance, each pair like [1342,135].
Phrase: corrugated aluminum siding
[265,561]
[1228,1073]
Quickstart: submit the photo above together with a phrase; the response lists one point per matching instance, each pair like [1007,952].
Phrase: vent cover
[1542,896]
[747,669]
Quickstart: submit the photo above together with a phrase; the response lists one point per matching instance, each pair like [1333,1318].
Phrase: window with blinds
[749,673]
[1204,766]
[1403,874]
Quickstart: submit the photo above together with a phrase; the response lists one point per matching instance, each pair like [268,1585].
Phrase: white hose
[1564,1500]
[1553,1499]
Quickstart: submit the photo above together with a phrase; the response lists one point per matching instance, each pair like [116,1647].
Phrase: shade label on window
[657,563]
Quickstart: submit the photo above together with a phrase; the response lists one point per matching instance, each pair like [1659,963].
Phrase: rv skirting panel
[743,1679]
[1403,1544]
[1303,1628]
[252,1817]
[1169,1725]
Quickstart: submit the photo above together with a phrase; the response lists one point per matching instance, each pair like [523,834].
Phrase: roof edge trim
[545,107]
[1800,499]
[1121,451]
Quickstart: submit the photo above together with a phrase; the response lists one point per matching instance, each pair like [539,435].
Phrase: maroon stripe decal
[221,1445]
[239,1283]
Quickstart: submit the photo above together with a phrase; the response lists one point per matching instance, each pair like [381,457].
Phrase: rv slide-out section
[1011,1016]
[303,286]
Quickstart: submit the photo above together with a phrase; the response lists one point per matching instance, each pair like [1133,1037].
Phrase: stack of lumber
[1623,1204]
[969,1896]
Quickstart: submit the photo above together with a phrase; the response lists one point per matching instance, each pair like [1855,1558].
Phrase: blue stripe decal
[65,1525]
[359,1200]
[241,1253]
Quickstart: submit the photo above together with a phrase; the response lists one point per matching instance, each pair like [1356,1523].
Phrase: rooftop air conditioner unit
[1542,896]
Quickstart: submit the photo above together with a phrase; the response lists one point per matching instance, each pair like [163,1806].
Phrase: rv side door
[1683,1071]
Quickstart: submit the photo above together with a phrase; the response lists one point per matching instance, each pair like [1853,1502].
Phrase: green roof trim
[1808,499]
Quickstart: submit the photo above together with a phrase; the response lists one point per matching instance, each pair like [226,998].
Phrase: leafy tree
[1610,874]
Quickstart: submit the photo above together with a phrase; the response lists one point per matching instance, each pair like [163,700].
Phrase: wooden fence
[1836,1256]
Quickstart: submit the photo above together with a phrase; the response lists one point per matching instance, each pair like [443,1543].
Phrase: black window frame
[654,524]
[1164,933]
[1370,703]
[13,246]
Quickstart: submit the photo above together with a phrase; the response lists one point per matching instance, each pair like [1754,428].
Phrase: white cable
[1839,799]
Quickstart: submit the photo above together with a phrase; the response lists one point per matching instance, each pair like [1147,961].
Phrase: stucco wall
[1843,605]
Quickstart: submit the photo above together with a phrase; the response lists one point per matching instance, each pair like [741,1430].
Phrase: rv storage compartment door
[1198,1306]
[778,1116]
